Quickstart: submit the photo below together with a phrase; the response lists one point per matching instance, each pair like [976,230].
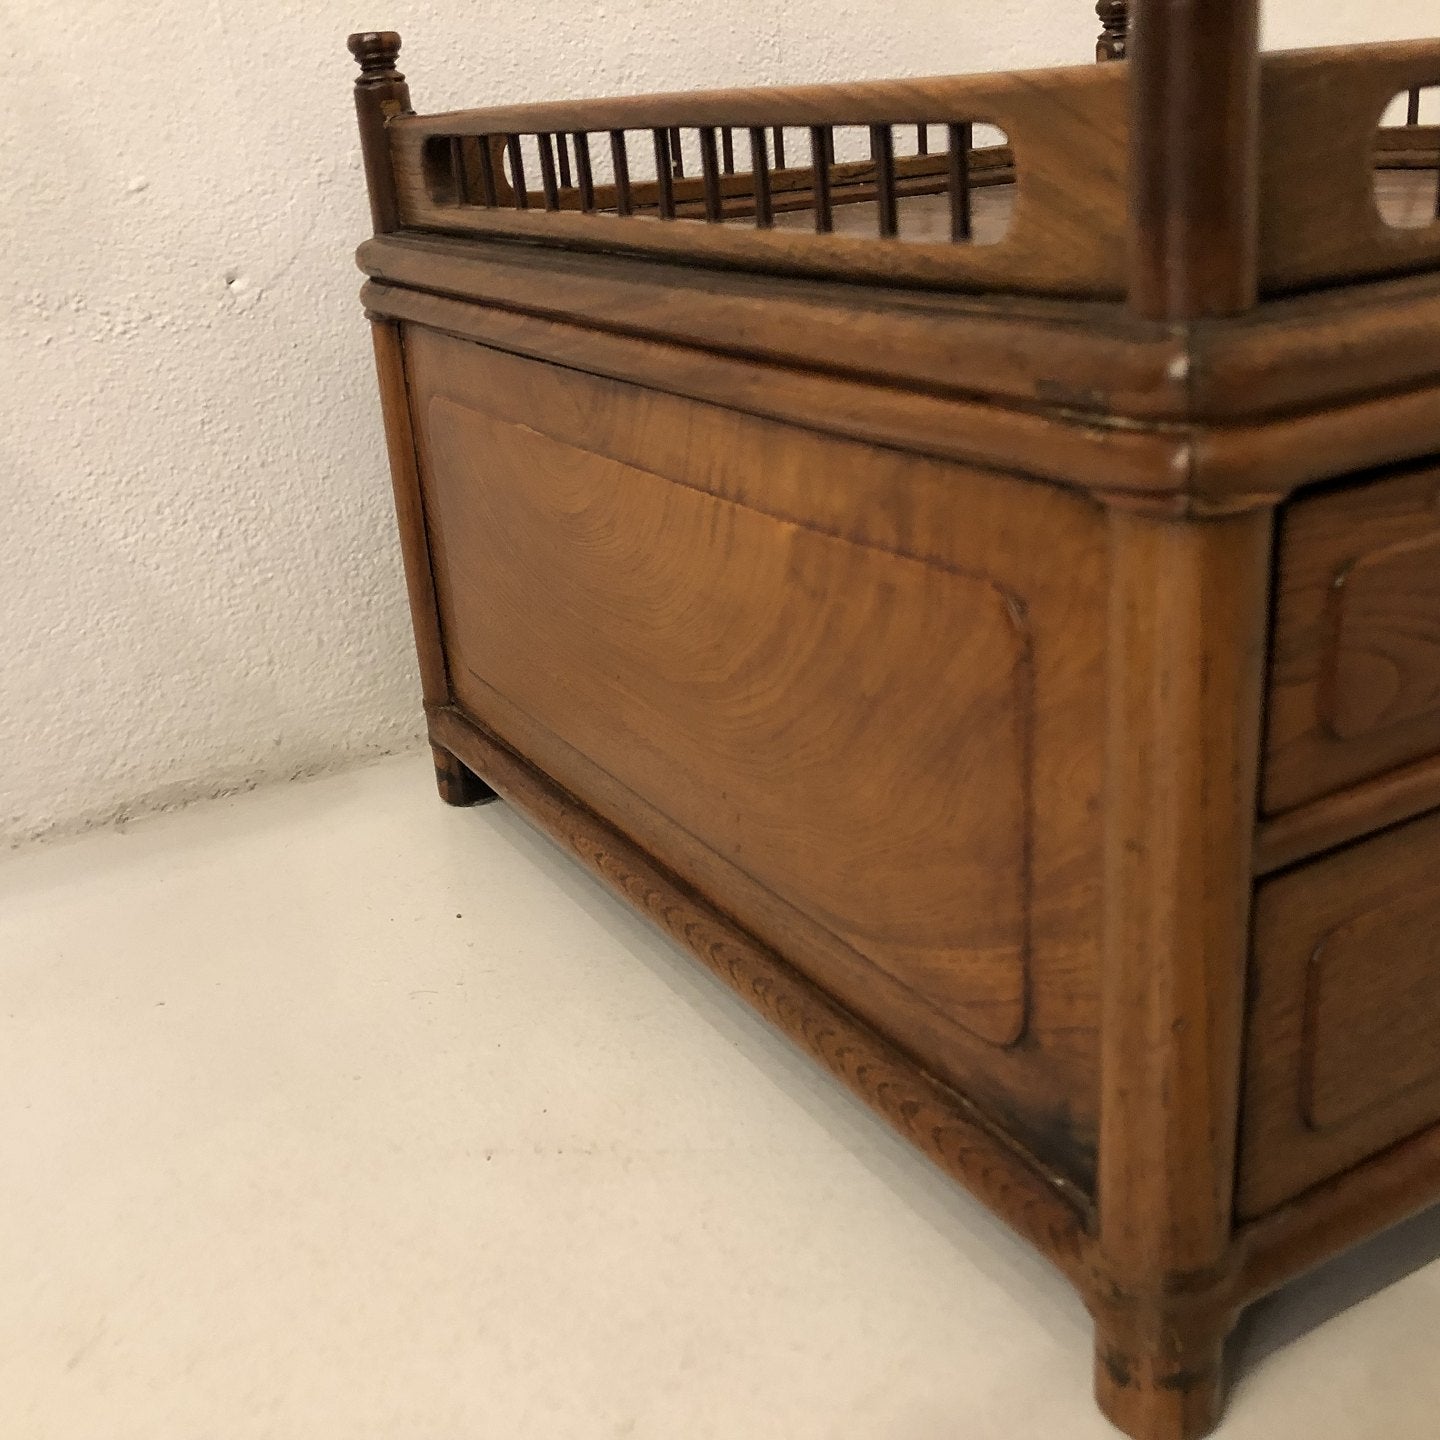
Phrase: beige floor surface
[328,1113]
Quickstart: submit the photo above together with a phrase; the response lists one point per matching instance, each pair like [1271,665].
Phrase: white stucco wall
[198,572]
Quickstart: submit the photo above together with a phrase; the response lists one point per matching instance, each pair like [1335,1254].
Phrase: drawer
[1355,675]
[1343,1034]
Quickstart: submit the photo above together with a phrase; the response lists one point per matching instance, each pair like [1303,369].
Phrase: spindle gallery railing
[1409,147]
[991,182]
[866,166]
[496,171]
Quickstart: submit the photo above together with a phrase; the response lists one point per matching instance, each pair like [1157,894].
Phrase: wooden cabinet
[969,680]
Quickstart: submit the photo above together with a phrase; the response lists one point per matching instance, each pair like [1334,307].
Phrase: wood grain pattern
[1382,664]
[1201,469]
[1276,457]
[1055,445]
[1089,358]
[1341,1053]
[1334,819]
[1066,128]
[1319,222]
[666,634]
[1186,651]
[1369,1038]
[1355,688]
[1317,352]
[1330,1217]
[756,803]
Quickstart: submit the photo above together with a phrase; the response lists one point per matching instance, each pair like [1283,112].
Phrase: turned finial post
[380,95]
[1115,18]
[376,52]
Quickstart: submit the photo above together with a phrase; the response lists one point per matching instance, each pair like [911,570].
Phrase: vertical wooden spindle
[960,221]
[487,172]
[547,172]
[1412,108]
[677,154]
[710,169]
[583,173]
[882,152]
[922,139]
[779,147]
[380,95]
[457,169]
[663,175]
[517,172]
[820,141]
[760,166]
[624,205]
[727,150]
[562,145]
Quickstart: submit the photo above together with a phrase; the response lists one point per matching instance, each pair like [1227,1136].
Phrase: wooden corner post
[380,94]
[1186,655]
[1194,157]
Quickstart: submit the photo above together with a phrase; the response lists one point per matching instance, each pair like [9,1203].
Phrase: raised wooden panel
[1344,1031]
[852,696]
[1356,668]
[738,672]
[1382,665]
[1360,1052]
[1319,219]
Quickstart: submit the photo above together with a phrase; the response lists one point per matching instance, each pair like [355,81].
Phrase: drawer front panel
[1356,673]
[1344,1031]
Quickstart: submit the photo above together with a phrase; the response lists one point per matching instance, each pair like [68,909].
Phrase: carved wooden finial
[1115,17]
[376,51]
[380,95]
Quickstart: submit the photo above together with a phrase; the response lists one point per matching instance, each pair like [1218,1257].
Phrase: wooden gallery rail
[963,557]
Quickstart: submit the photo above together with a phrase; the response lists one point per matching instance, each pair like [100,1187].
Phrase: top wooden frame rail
[1065,127]
[1095,216]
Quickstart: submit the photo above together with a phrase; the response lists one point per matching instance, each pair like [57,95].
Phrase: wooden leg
[1160,1373]
[458,785]
[1187,645]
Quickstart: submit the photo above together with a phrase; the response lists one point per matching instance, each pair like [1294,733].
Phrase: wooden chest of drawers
[1071,831]
[1028,701]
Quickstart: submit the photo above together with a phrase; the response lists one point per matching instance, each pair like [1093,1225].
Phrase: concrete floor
[330,1113]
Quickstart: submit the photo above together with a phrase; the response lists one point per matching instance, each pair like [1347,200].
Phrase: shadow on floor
[1346,1281]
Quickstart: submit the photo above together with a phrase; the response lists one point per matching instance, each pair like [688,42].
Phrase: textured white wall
[198,572]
